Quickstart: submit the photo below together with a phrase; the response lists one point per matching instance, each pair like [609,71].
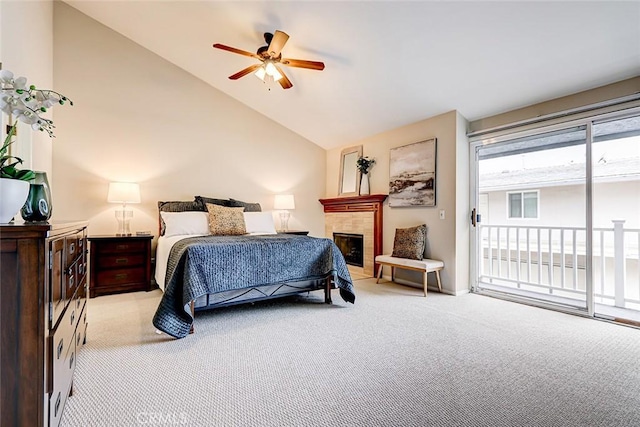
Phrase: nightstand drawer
[120,276]
[122,247]
[121,261]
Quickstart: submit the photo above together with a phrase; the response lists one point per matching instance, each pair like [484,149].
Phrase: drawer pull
[122,247]
[72,247]
[81,268]
[57,407]
[121,276]
[60,347]
[71,281]
[78,340]
[71,360]
[122,261]
[73,316]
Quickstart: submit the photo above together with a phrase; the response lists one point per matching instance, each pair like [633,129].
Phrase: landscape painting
[412,174]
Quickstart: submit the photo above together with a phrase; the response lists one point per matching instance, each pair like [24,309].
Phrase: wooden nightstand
[119,264]
[298,232]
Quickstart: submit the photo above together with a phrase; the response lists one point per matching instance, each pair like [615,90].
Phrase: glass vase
[38,205]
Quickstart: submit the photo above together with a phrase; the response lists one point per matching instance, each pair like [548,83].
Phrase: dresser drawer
[81,328]
[82,268]
[63,333]
[63,369]
[80,299]
[71,280]
[121,261]
[122,247]
[119,276]
[72,249]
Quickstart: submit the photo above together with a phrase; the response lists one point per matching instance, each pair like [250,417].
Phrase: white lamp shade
[284,201]
[124,192]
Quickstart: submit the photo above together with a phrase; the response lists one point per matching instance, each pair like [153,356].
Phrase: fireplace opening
[351,247]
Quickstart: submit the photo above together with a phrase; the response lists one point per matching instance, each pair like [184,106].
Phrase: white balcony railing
[551,260]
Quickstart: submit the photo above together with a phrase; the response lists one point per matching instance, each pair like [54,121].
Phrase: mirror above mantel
[349,183]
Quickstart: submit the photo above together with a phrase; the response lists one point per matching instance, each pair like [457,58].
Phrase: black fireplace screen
[351,247]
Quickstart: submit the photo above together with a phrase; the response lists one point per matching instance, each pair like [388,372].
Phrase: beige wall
[139,118]
[448,239]
[26,49]
[604,95]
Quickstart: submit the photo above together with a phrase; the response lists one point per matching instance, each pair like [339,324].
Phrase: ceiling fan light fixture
[260,73]
[272,71]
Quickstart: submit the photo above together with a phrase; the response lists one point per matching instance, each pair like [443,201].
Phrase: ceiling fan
[270,60]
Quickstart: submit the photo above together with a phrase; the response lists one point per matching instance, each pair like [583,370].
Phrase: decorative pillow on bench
[410,242]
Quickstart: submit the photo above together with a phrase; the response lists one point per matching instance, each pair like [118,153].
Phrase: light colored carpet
[392,359]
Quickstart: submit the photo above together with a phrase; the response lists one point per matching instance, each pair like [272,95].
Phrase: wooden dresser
[43,319]
[120,264]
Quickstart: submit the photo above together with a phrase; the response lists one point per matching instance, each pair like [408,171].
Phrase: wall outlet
[441,213]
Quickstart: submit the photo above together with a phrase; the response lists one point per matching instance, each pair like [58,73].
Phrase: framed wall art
[412,174]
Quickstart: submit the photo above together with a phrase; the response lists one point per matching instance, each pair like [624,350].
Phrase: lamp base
[124,218]
[284,220]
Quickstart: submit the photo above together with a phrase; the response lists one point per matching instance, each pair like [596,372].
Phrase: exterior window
[523,204]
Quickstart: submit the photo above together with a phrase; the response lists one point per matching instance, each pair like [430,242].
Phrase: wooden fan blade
[301,63]
[277,43]
[284,81]
[234,50]
[245,71]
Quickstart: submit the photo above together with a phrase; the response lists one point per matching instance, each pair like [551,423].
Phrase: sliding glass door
[558,216]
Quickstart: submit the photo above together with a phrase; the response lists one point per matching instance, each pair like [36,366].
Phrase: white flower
[26,103]
[6,77]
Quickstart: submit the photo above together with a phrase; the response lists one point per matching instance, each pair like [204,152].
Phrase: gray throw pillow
[204,200]
[248,207]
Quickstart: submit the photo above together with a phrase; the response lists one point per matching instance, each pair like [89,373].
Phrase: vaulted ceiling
[389,63]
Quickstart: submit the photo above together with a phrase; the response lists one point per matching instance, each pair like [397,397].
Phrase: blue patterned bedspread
[210,264]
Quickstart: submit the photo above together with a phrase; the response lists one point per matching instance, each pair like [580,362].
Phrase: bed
[198,271]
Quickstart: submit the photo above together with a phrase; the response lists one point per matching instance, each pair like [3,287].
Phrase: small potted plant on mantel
[25,104]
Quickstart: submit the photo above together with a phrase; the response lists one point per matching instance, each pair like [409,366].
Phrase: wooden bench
[425,266]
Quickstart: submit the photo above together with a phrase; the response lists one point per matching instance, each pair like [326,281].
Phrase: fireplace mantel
[370,203]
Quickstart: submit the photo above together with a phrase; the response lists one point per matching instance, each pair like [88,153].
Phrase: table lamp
[124,192]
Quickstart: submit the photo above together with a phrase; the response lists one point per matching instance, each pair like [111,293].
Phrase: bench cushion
[426,264]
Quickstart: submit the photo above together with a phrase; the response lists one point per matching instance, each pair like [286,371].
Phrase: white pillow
[258,223]
[185,223]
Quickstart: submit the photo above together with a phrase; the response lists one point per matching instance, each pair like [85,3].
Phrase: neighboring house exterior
[561,194]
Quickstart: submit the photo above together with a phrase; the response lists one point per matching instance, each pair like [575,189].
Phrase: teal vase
[38,205]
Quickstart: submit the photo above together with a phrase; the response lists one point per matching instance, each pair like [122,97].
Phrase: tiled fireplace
[356,216]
